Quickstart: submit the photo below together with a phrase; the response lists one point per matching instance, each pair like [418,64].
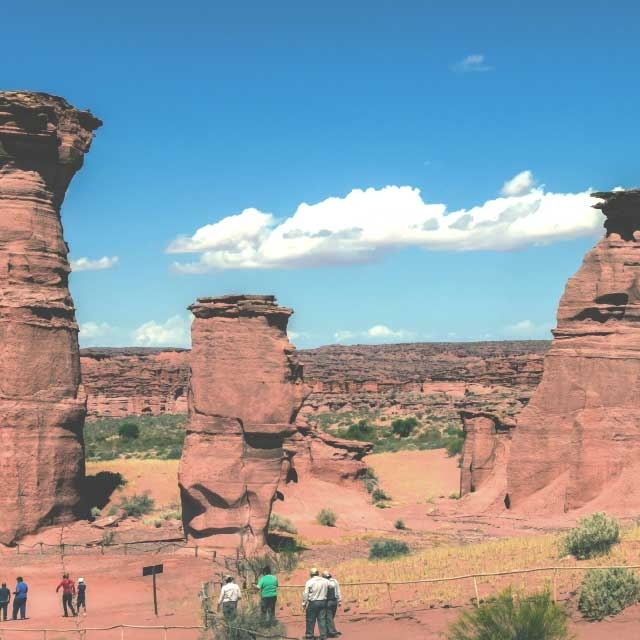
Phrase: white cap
[80,579]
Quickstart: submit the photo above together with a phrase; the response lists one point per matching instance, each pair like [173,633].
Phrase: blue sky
[393,171]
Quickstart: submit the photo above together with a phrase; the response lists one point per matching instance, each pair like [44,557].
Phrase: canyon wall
[42,407]
[577,443]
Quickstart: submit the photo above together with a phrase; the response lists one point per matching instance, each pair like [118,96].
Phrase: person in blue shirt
[5,598]
[20,599]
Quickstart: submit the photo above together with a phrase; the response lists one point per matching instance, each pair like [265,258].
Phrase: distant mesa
[43,140]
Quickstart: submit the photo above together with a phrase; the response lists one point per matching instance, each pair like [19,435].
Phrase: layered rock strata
[246,391]
[577,443]
[43,140]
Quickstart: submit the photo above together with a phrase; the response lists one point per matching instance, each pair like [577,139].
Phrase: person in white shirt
[314,603]
[229,596]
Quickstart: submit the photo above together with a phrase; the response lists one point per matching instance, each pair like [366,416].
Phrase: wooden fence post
[393,611]
[475,586]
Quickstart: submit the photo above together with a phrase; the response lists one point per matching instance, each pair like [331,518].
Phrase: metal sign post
[152,570]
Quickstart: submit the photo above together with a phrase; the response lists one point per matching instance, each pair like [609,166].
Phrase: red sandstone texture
[577,442]
[246,390]
[135,381]
[43,140]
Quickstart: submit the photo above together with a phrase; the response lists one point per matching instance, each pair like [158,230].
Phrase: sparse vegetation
[404,426]
[137,436]
[137,505]
[370,480]
[399,524]
[247,624]
[507,617]
[594,536]
[388,549]
[378,495]
[280,523]
[605,592]
[327,518]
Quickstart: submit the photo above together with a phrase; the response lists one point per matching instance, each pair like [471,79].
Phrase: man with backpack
[334,600]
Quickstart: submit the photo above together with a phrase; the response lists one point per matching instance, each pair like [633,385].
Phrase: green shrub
[595,536]
[280,523]
[379,494]
[370,480]
[360,430]
[95,512]
[605,592]
[388,549]
[247,624]
[454,445]
[399,524]
[535,617]
[129,431]
[327,518]
[137,505]
[404,426]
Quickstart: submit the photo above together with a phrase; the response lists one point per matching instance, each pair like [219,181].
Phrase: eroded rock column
[246,391]
[42,144]
[577,443]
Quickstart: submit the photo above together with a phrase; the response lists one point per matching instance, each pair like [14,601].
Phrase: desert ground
[419,483]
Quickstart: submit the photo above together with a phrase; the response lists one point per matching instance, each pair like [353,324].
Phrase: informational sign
[153,570]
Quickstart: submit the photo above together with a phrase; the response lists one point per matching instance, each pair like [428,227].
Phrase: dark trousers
[332,607]
[3,609]
[19,606]
[67,601]
[316,610]
[81,603]
[268,608]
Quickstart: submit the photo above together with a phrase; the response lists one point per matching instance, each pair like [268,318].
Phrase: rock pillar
[246,391]
[577,443]
[42,143]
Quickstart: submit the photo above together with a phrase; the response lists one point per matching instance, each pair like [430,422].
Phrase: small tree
[388,549]
[536,617]
[595,536]
[327,518]
[404,426]
[129,431]
[605,592]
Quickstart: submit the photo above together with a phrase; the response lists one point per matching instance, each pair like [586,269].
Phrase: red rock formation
[486,448]
[577,442]
[135,381]
[246,390]
[42,144]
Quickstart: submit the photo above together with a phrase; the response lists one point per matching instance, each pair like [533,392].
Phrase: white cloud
[175,332]
[475,62]
[383,332]
[86,264]
[90,330]
[519,185]
[366,225]
[377,333]
[344,336]
[529,329]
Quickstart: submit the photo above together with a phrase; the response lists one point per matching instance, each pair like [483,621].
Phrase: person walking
[5,599]
[268,585]
[334,600]
[229,596]
[314,603]
[81,600]
[68,591]
[20,599]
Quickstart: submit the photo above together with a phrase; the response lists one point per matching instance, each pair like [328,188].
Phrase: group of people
[67,585]
[19,600]
[69,590]
[320,601]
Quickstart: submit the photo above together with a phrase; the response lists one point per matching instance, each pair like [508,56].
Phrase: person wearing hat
[229,596]
[314,603]
[81,600]
[334,600]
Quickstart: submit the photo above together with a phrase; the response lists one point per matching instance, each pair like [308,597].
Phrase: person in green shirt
[268,585]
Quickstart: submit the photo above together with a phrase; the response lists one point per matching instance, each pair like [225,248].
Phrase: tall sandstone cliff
[42,144]
[246,391]
[577,443]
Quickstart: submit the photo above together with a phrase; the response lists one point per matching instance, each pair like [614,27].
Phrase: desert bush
[129,431]
[280,523]
[107,538]
[95,512]
[360,430]
[326,517]
[399,524]
[247,624]
[535,617]
[595,536]
[137,505]
[370,479]
[379,494]
[454,445]
[388,549]
[404,426]
[605,592]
